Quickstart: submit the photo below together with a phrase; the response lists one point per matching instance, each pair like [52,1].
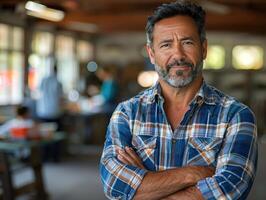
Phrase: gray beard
[178,81]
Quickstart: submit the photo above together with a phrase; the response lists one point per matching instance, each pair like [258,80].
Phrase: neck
[180,96]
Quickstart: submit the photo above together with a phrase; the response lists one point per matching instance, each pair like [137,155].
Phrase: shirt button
[173,141]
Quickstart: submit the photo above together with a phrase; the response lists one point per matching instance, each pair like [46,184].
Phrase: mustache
[179,63]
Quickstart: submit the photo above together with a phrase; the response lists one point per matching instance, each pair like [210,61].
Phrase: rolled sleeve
[120,181]
[237,161]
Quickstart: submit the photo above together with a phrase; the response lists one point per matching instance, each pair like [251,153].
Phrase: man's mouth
[183,67]
[180,65]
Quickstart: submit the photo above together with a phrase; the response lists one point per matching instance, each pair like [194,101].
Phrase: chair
[7,170]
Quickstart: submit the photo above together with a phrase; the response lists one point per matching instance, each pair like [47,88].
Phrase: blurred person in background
[50,101]
[49,109]
[109,88]
[182,138]
[20,127]
[105,100]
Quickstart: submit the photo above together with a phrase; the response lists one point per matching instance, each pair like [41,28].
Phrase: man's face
[177,51]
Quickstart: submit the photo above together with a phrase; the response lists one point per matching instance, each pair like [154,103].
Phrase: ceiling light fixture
[42,11]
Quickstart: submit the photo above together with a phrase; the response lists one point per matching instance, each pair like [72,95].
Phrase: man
[181,139]
[49,109]
[49,104]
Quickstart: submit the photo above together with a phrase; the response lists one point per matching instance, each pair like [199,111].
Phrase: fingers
[124,159]
[134,157]
[129,157]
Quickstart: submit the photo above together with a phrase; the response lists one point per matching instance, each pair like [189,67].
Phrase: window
[18,39]
[84,51]
[4,31]
[67,63]
[247,57]
[40,59]
[215,57]
[11,64]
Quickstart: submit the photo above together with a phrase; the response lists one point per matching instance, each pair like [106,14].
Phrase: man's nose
[178,51]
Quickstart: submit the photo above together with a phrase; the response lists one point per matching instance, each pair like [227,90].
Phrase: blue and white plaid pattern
[216,131]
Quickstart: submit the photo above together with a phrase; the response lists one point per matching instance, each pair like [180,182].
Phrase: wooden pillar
[36,163]
[5,175]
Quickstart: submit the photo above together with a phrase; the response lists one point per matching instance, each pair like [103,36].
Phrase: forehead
[181,25]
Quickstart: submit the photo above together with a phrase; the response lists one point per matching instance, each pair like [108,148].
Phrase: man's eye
[188,42]
[164,45]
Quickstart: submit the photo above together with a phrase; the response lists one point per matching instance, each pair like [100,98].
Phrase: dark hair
[180,7]
[22,110]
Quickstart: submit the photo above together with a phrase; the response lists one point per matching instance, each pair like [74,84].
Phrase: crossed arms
[176,183]
[124,176]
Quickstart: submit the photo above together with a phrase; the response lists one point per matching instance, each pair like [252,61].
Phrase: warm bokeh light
[247,57]
[147,78]
[84,51]
[215,57]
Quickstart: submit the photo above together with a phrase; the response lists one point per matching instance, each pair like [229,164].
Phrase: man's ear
[150,52]
[204,49]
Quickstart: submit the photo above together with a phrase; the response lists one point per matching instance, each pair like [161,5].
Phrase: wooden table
[35,162]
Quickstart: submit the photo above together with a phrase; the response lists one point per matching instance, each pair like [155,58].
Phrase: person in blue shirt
[109,87]
[182,138]
[106,100]
[49,104]
[49,108]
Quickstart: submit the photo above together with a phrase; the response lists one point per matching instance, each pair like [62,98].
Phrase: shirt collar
[208,94]
[155,93]
[205,94]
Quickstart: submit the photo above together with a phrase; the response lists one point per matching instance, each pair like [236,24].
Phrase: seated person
[20,127]
[23,127]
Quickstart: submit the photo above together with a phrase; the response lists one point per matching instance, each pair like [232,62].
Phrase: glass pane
[3,60]
[43,43]
[67,64]
[84,51]
[4,36]
[215,57]
[18,38]
[68,73]
[39,68]
[17,74]
[64,46]
[4,78]
[247,57]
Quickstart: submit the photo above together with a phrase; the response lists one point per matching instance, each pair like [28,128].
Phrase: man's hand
[168,184]
[128,156]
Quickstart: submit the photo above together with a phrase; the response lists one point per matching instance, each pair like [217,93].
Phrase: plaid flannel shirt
[216,131]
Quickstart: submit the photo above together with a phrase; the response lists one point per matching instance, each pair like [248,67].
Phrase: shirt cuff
[140,173]
[210,189]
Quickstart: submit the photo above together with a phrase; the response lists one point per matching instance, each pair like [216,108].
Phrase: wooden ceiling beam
[131,15]
[237,20]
